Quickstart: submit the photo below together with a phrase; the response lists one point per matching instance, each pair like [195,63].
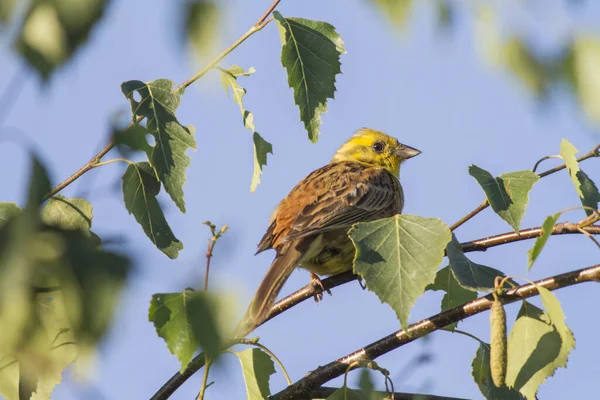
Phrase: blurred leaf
[470,275]
[586,63]
[7,210]
[187,321]
[202,20]
[257,368]
[508,194]
[54,29]
[311,55]
[585,187]
[261,146]
[523,64]
[538,344]
[131,139]
[540,242]
[397,11]
[365,383]
[445,14]
[483,377]
[158,104]
[390,257]
[7,8]
[68,213]
[455,293]
[140,188]
[345,393]
[9,378]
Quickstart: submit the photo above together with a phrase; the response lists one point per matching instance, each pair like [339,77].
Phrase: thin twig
[397,339]
[485,204]
[310,290]
[537,164]
[209,254]
[324,392]
[204,379]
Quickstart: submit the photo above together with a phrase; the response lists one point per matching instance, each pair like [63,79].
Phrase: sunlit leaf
[455,294]
[261,149]
[397,11]
[257,368]
[483,378]
[311,55]
[398,257]
[585,187]
[7,210]
[508,194]
[540,242]
[520,60]
[140,188]
[9,378]
[538,344]
[54,29]
[68,213]
[202,20]
[586,62]
[158,103]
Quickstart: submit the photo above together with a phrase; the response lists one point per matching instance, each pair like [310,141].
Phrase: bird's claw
[315,281]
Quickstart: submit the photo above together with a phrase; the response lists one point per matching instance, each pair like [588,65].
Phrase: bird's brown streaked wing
[378,194]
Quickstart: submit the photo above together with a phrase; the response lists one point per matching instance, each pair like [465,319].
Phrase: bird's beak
[407,152]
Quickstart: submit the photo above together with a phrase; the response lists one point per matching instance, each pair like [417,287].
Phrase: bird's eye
[378,147]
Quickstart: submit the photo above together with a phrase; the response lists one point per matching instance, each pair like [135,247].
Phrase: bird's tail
[267,292]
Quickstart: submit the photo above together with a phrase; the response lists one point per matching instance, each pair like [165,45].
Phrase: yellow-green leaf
[455,294]
[398,257]
[585,187]
[257,368]
[482,375]
[540,242]
[586,63]
[68,213]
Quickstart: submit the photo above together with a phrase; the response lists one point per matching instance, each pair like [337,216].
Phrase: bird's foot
[318,285]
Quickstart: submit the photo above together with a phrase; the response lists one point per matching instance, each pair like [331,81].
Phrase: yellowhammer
[309,228]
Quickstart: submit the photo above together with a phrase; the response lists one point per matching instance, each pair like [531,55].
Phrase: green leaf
[261,146]
[7,210]
[540,242]
[522,62]
[158,104]
[345,393]
[483,377]
[398,257]
[202,20]
[508,194]
[68,213]
[455,293]
[257,368]
[311,55]
[261,149]
[585,187]
[131,139]
[6,11]
[538,344]
[53,30]
[365,383]
[9,378]
[398,11]
[187,321]
[140,188]
[470,275]
[585,64]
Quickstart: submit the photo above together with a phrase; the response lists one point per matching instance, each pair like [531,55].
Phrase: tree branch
[310,290]
[324,392]
[397,339]
[485,204]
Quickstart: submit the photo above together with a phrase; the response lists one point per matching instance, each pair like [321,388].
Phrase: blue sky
[431,92]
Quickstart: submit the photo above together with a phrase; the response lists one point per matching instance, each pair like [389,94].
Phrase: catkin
[498,354]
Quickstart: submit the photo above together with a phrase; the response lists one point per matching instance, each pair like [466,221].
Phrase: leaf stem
[485,204]
[100,164]
[207,364]
[209,254]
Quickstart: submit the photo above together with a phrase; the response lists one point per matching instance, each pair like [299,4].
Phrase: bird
[309,228]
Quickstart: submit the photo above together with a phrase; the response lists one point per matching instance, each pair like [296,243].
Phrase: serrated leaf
[455,294]
[397,11]
[585,187]
[131,139]
[345,393]
[257,368]
[53,30]
[68,213]
[508,194]
[187,321]
[468,274]
[311,55]
[140,188]
[201,26]
[586,61]
[398,257]
[158,104]
[538,344]
[483,377]
[541,240]
[261,149]
[7,210]
[261,146]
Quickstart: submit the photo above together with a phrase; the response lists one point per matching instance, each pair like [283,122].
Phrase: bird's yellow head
[375,148]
